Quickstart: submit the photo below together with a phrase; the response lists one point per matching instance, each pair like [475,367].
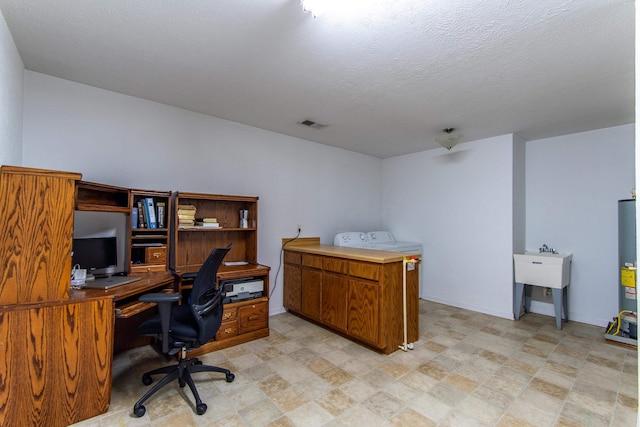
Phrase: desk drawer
[147,268]
[227,330]
[253,316]
[155,255]
[229,314]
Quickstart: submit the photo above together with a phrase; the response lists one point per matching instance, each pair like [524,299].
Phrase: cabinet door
[292,287]
[311,291]
[363,313]
[36,232]
[334,300]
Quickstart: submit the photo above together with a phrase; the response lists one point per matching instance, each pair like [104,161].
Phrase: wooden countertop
[370,255]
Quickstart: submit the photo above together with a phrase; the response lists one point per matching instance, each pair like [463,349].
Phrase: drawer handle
[227,330]
[227,315]
[156,254]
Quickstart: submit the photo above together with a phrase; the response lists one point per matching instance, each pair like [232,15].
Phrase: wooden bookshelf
[148,248]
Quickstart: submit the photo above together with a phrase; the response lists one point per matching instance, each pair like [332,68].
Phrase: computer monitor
[98,255]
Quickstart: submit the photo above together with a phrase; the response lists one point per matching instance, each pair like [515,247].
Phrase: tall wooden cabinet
[55,353]
[36,232]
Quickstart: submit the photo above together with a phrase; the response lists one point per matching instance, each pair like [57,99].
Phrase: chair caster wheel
[230,378]
[139,411]
[201,408]
[146,380]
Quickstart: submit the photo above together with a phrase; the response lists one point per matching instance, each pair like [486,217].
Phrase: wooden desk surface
[247,270]
[148,282]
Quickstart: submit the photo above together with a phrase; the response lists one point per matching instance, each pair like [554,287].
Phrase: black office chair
[184,327]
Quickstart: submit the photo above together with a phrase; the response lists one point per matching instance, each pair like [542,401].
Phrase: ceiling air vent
[312,124]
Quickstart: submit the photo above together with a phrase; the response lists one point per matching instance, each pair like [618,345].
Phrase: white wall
[573,185]
[474,206]
[11,87]
[459,204]
[130,142]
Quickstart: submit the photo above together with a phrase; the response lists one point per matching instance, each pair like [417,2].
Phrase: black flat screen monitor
[96,254]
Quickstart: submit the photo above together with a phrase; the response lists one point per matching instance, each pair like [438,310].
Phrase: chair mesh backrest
[206,300]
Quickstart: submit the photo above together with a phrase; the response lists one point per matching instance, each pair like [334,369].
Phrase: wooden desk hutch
[57,344]
[242,321]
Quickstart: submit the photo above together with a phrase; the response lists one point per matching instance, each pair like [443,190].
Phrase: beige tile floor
[467,369]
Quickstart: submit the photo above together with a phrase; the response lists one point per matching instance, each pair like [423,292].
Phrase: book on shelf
[141,216]
[209,220]
[161,207]
[186,216]
[187,209]
[207,224]
[151,209]
[134,217]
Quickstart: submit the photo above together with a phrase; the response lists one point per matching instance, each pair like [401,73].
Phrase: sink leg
[527,297]
[517,302]
[565,299]
[558,303]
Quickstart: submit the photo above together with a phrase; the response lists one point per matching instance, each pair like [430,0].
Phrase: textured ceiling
[385,78]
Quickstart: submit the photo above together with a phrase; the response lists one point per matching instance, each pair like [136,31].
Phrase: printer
[242,289]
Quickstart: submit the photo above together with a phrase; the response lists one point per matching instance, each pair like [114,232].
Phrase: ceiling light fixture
[449,139]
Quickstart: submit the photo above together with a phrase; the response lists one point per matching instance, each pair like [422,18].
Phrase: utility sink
[552,270]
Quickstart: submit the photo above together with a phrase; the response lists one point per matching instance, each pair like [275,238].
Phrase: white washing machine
[384,240]
[352,239]
[381,241]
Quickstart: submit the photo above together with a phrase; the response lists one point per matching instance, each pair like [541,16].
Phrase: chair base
[181,372]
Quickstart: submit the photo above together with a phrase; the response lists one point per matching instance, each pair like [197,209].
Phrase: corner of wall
[11,99]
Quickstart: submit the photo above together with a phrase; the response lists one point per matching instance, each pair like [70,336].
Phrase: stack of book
[186,215]
[145,211]
[207,223]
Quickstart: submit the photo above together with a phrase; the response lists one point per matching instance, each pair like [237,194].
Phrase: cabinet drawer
[147,268]
[364,270]
[292,257]
[312,261]
[253,316]
[227,330]
[155,255]
[336,265]
[229,314]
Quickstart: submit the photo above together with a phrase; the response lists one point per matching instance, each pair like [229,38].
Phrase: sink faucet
[546,248]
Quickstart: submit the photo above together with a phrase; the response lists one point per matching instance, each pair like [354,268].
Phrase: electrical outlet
[546,292]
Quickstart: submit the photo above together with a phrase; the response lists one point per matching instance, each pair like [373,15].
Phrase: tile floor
[467,369]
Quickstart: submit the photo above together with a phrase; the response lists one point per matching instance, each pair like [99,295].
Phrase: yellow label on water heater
[628,277]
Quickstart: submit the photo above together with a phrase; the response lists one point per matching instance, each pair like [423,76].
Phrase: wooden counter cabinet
[357,293]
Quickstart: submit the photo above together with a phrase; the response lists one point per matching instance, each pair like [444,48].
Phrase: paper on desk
[230,263]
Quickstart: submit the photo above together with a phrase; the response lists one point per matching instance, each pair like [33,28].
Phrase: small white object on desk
[231,263]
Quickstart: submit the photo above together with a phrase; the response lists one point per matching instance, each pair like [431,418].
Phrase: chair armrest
[189,275]
[165,303]
[160,298]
